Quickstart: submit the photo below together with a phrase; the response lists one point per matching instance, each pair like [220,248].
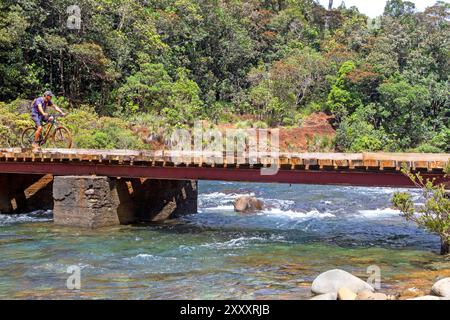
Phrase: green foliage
[93,132]
[404,108]
[357,134]
[427,148]
[288,85]
[320,144]
[243,125]
[434,214]
[184,103]
[12,123]
[146,90]
[260,125]
[181,60]
[341,101]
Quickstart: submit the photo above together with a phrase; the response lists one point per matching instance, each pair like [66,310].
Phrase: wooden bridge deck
[380,161]
[368,169]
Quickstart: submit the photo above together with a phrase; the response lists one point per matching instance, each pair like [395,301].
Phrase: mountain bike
[57,136]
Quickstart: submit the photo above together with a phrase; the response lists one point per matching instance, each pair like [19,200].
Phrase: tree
[146,90]
[341,101]
[397,8]
[289,83]
[184,104]
[434,214]
[357,133]
[403,109]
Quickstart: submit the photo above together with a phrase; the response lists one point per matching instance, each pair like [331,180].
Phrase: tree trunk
[327,17]
[51,70]
[445,246]
[61,72]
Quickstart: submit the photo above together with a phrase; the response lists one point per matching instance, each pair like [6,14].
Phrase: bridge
[105,187]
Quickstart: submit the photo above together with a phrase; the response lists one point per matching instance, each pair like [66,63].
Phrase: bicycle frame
[48,127]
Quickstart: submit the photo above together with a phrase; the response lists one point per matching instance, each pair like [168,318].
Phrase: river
[220,254]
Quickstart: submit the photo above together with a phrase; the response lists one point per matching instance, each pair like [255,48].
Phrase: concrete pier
[95,202]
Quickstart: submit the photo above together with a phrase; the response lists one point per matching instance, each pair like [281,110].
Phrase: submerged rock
[346,294]
[333,280]
[441,288]
[326,296]
[248,204]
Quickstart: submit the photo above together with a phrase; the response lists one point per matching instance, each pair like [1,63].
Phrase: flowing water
[220,254]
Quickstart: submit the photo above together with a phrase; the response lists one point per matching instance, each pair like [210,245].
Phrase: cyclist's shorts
[37,119]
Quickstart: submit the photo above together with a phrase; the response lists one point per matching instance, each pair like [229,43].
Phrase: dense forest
[161,64]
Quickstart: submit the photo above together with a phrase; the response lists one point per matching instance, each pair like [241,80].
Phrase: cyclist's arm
[41,110]
[58,109]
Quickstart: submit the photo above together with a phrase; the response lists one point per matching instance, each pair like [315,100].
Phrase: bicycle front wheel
[62,138]
[28,137]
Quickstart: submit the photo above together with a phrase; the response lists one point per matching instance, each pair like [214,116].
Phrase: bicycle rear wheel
[62,138]
[28,137]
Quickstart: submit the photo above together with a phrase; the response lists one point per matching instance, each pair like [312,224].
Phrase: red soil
[297,139]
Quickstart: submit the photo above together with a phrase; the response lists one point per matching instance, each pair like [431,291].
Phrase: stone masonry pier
[97,201]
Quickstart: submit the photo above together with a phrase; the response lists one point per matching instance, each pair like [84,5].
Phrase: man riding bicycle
[39,114]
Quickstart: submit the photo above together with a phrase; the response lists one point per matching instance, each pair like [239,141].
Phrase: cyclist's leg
[37,136]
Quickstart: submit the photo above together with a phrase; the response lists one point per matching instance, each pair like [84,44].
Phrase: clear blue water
[217,253]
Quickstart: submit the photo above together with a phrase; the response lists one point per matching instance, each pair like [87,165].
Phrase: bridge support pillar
[158,200]
[95,202]
[24,193]
[5,194]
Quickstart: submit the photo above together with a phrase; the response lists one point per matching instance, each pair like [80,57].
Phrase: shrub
[434,214]
[260,125]
[13,122]
[427,148]
[319,143]
[357,134]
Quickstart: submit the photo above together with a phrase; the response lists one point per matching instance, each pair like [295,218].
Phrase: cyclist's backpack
[31,105]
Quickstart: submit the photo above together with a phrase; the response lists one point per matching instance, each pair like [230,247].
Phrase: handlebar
[55,116]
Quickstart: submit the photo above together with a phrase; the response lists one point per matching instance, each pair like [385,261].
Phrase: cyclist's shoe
[36,147]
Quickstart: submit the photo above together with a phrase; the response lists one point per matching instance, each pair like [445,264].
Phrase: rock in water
[333,280]
[346,294]
[442,288]
[247,204]
[326,296]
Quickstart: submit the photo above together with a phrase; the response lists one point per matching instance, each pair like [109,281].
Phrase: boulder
[346,294]
[326,296]
[441,288]
[333,280]
[369,295]
[247,204]
[412,293]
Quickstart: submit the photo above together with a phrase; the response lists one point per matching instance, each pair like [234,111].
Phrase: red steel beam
[345,177]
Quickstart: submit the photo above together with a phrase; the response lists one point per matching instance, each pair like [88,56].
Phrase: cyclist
[39,114]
